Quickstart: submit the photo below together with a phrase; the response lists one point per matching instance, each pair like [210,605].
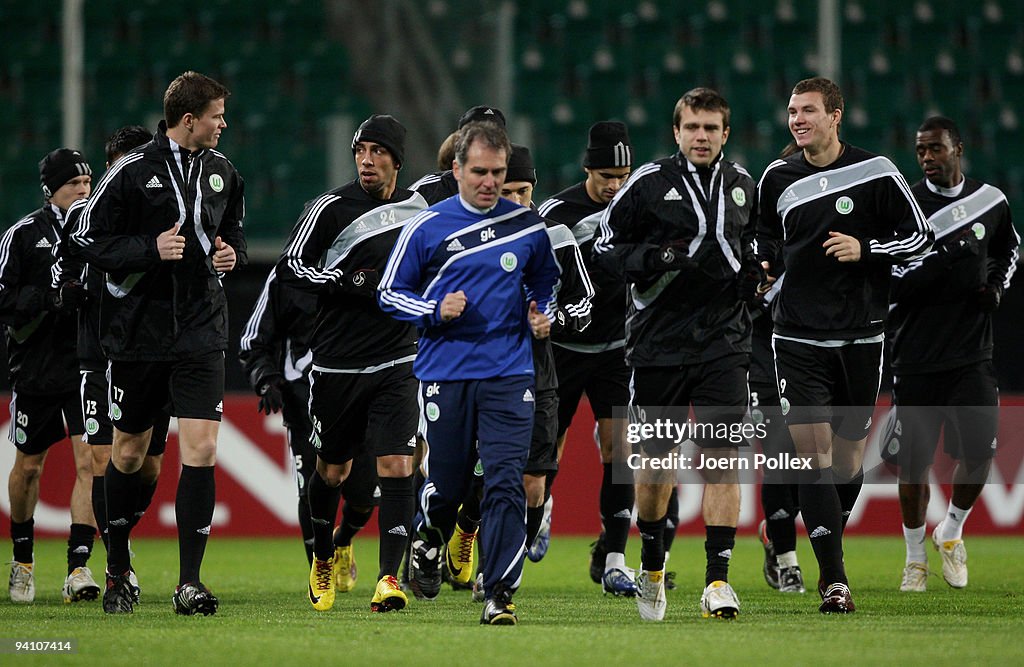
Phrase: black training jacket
[155,310]
[934,318]
[681,317]
[437,186]
[342,232]
[860,194]
[40,344]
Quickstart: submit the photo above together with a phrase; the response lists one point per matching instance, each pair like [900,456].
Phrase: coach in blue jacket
[477,275]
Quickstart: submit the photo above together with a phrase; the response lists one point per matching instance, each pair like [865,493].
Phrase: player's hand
[958,246]
[73,295]
[987,298]
[672,256]
[843,247]
[271,398]
[224,257]
[748,281]
[769,280]
[452,305]
[539,322]
[170,245]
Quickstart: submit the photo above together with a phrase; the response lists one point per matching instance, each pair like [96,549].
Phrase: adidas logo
[44,243]
[820,531]
[398,530]
[673,195]
[117,522]
[204,531]
[361,227]
[154,183]
[727,554]
[220,407]
[81,550]
[624,514]
[790,196]
[779,514]
[19,540]
[647,536]
[528,396]
[319,522]
[455,246]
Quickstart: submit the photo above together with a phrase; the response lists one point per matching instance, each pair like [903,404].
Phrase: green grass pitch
[265,617]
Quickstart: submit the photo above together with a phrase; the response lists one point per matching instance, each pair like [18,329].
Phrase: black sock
[23,536]
[323,510]
[99,507]
[652,544]
[819,503]
[306,526]
[122,492]
[394,519]
[551,475]
[718,544]
[848,493]
[534,516]
[468,518]
[144,500]
[671,519]
[616,511]
[80,541]
[779,503]
[193,507]
[352,521]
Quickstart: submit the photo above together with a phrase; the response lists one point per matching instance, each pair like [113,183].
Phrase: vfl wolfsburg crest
[979,230]
[739,196]
[844,205]
[784,404]
[19,436]
[509,261]
[115,411]
[92,426]
[433,412]
[216,182]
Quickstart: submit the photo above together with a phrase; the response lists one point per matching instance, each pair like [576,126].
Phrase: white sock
[952,527]
[787,559]
[615,561]
[914,537]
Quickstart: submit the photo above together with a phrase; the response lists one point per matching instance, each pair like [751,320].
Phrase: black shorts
[832,385]
[37,422]
[96,415]
[354,412]
[604,376]
[716,390]
[142,391]
[961,403]
[544,440]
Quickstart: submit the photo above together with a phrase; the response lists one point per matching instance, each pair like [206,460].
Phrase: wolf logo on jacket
[164,315]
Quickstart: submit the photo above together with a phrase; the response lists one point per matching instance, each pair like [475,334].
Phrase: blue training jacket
[493,257]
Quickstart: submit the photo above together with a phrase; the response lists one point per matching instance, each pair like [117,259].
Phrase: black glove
[987,298]
[361,282]
[269,391]
[958,246]
[748,280]
[73,295]
[671,256]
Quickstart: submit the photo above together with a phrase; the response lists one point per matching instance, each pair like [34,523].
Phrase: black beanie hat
[59,167]
[386,131]
[608,146]
[520,166]
[482,114]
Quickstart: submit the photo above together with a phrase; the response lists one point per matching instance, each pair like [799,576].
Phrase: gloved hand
[361,282]
[271,399]
[750,277]
[73,295]
[987,298]
[672,256]
[960,245]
